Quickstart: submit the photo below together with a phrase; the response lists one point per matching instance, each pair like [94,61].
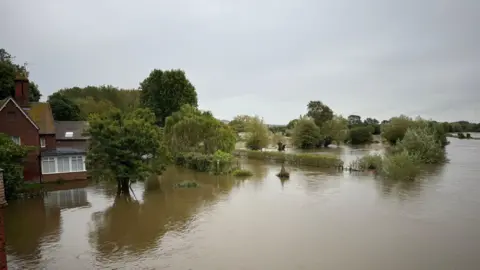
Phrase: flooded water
[315,220]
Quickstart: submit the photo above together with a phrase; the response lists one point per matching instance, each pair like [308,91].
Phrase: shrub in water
[242,173]
[401,166]
[422,142]
[316,160]
[368,162]
[360,135]
[306,134]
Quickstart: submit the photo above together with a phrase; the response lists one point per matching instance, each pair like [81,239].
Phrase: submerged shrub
[422,142]
[306,134]
[316,160]
[360,135]
[368,162]
[218,163]
[460,135]
[242,173]
[258,134]
[401,166]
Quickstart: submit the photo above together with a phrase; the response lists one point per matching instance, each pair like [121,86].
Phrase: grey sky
[374,58]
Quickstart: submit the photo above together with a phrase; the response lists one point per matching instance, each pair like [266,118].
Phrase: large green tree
[11,161]
[64,109]
[306,134]
[319,112]
[8,72]
[335,130]
[258,134]
[165,92]
[125,146]
[193,130]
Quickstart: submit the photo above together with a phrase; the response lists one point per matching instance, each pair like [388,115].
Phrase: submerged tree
[319,112]
[193,130]
[258,134]
[306,134]
[126,146]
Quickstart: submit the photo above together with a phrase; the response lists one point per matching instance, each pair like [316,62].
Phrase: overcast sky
[375,58]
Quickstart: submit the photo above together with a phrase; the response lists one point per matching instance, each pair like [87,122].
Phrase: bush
[422,142]
[396,128]
[218,163]
[242,173]
[368,162]
[401,166]
[461,135]
[360,135]
[316,160]
[258,134]
[306,134]
[469,136]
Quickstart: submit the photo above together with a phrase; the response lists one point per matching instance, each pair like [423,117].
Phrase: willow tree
[126,146]
[258,134]
[193,130]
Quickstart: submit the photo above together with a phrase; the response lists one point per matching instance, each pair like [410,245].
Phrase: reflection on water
[317,219]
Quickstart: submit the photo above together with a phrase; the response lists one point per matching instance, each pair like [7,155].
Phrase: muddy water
[315,220]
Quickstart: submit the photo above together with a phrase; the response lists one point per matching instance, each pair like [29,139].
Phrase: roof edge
[21,110]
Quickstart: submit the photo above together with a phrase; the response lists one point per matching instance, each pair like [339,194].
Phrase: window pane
[48,165]
[63,164]
[77,163]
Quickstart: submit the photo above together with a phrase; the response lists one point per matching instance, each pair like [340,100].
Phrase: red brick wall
[76,144]
[65,176]
[50,141]
[14,123]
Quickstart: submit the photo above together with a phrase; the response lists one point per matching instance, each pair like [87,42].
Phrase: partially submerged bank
[314,160]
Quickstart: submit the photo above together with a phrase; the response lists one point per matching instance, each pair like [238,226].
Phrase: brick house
[32,124]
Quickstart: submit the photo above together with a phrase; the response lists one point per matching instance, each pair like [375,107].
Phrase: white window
[77,164]
[63,164]
[68,134]
[42,142]
[16,140]
[48,165]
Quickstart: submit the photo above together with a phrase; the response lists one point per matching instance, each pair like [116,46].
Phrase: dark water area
[315,220]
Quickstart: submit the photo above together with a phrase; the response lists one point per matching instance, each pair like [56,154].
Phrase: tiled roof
[77,128]
[41,114]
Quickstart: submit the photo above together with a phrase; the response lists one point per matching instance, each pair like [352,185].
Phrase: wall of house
[75,144]
[64,176]
[50,141]
[14,123]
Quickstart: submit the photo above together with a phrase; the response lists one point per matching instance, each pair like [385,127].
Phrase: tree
[12,156]
[422,141]
[258,134]
[360,135]
[396,128]
[127,146]
[320,112]
[165,92]
[63,109]
[354,120]
[192,130]
[335,130]
[306,134]
[239,123]
[292,123]
[8,72]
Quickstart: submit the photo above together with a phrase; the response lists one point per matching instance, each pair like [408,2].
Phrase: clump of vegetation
[258,134]
[401,166]
[368,162]
[218,163]
[187,184]
[422,142]
[12,157]
[283,173]
[360,135]
[469,136]
[315,160]
[305,134]
[395,129]
[242,173]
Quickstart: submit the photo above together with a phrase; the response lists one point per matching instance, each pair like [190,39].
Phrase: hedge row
[218,163]
[315,160]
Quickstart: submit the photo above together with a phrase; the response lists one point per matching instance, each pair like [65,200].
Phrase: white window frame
[43,142]
[70,164]
[49,159]
[15,141]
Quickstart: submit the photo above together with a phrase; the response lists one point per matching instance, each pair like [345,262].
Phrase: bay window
[63,164]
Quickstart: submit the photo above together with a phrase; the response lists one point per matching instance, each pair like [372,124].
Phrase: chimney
[21,91]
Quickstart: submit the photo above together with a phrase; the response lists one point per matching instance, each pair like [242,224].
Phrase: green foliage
[192,130]
[368,162]
[292,124]
[187,184]
[218,163]
[401,166]
[11,161]
[396,128]
[242,173]
[319,112]
[128,146]
[8,72]
[360,135]
[306,134]
[335,130]
[63,109]
[315,160]
[165,92]
[354,120]
[258,135]
[460,135]
[422,142]
[239,123]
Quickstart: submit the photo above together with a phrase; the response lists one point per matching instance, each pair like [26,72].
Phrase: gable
[12,101]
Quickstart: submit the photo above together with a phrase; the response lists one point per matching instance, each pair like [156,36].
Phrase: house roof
[41,114]
[4,102]
[76,127]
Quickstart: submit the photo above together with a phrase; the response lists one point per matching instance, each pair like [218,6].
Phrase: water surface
[315,220]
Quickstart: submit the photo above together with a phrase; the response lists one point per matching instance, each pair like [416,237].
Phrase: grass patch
[314,160]
[368,162]
[187,184]
[242,173]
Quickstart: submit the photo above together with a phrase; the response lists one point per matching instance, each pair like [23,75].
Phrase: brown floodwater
[315,220]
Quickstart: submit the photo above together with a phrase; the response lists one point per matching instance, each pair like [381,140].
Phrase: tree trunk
[123,186]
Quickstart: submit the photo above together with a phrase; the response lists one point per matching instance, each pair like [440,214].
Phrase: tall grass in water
[316,160]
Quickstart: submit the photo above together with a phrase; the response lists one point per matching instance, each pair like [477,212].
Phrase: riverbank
[306,159]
